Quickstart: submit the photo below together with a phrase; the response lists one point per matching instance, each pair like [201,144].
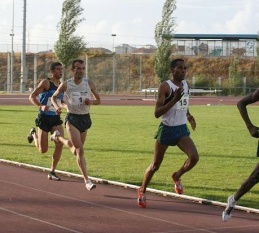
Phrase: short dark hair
[54,65]
[75,61]
[175,61]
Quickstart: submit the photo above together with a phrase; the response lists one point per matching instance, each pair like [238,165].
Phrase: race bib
[50,105]
[78,98]
[183,103]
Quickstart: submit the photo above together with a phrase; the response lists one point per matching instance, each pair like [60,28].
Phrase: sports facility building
[216,45]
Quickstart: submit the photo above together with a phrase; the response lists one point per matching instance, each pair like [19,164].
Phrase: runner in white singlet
[172,106]
[77,96]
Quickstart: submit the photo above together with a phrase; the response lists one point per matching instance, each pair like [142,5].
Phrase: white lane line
[39,220]
[106,207]
[125,185]
[163,193]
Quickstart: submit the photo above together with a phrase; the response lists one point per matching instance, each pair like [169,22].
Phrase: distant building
[147,49]
[209,45]
[99,50]
[124,49]
[219,45]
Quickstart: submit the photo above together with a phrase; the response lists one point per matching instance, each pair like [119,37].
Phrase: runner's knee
[194,159]
[254,178]
[154,167]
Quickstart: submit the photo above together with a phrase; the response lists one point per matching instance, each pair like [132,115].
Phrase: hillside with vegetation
[135,72]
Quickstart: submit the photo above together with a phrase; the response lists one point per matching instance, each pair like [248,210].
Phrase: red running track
[29,202]
[22,99]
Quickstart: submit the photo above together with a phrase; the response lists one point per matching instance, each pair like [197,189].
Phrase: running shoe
[89,185]
[230,205]
[30,137]
[53,176]
[141,199]
[54,136]
[178,186]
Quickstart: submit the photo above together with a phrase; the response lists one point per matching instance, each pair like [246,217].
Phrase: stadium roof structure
[225,37]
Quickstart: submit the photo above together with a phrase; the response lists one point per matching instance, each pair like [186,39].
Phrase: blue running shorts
[169,135]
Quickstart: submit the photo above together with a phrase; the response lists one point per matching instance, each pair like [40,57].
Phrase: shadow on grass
[16,145]
[171,153]
[18,110]
[210,155]
[127,152]
[132,151]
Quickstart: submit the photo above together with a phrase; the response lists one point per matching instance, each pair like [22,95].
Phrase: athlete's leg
[154,166]
[41,140]
[77,140]
[65,141]
[187,145]
[250,182]
[58,148]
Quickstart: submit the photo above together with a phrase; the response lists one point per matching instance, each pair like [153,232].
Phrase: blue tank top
[44,99]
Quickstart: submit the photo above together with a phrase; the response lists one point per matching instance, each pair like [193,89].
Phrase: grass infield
[120,144]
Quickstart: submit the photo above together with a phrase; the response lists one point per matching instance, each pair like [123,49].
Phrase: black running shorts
[81,122]
[47,122]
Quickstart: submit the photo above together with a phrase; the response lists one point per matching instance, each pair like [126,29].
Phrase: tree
[69,46]
[234,76]
[163,35]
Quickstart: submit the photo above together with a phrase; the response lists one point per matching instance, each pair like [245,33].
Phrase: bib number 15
[183,103]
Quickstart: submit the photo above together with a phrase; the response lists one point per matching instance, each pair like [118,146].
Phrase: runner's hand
[44,108]
[58,111]
[87,101]
[178,94]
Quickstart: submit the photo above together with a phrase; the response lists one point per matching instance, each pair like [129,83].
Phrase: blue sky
[133,21]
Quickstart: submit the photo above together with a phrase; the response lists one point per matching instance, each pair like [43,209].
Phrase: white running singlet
[176,115]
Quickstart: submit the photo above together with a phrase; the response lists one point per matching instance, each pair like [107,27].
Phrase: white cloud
[242,20]
[133,21]
[4,4]
[219,17]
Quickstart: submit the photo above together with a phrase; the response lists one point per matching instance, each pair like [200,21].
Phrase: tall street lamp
[23,56]
[10,88]
[113,65]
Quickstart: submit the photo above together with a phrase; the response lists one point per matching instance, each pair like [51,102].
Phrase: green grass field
[120,146]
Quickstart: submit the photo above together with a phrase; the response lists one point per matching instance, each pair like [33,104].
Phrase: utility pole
[10,83]
[23,56]
[113,65]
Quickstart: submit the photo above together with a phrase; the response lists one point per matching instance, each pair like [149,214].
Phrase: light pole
[23,55]
[113,65]
[10,88]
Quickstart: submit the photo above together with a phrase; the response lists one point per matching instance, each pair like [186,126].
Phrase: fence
[111,74]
